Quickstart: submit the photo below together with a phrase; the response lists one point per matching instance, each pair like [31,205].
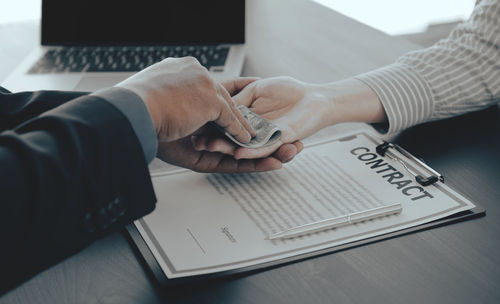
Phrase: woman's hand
[300,109]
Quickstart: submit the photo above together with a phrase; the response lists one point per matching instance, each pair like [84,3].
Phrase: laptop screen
[143,22]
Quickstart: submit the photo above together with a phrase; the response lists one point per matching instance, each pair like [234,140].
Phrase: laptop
[87,45]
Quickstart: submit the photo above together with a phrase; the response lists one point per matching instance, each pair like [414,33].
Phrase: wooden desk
[452,264]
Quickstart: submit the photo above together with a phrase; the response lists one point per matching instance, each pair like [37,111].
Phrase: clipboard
[144,253]
[423,174]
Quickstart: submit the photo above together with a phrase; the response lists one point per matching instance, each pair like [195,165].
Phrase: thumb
[234,86]
[246,97]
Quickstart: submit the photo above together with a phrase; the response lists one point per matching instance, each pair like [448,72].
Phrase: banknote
[267,132]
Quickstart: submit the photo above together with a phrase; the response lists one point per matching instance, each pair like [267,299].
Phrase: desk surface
[458,263]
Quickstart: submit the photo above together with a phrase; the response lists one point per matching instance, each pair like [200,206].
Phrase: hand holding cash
[298,108]
[278,128]
[267,132]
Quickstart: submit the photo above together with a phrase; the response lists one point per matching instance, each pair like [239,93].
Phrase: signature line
[199,245]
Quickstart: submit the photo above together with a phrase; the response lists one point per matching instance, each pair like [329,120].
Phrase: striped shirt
[458,74]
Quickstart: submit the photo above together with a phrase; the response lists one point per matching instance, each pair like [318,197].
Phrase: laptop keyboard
[122,59]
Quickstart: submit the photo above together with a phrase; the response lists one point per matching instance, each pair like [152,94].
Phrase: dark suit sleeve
[16,108]
[67,177]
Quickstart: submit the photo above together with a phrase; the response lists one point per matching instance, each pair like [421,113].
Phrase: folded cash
[267,132]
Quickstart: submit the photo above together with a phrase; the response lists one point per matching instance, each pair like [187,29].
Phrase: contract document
[211,223]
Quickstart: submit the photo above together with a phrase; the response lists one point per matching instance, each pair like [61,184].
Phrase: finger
[246,124]
[268,164]
[299,145]
[246,96]
[217,162]
[234,86]
[213,144]
[230,165]
[240,117]
[250,153]
[231,119]
[286,152]
[199,142]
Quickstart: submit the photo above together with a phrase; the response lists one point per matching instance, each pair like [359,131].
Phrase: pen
[338,221]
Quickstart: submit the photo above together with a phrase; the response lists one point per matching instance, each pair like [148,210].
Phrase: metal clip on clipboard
[433,176]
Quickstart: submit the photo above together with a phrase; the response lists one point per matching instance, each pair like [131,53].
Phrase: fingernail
[250,136]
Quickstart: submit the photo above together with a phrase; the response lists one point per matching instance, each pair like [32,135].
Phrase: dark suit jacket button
[88,223]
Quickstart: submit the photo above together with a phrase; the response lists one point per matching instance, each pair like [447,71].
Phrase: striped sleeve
[459,74]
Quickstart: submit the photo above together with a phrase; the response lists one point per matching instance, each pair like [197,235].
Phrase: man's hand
[182,97]
[182,153]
